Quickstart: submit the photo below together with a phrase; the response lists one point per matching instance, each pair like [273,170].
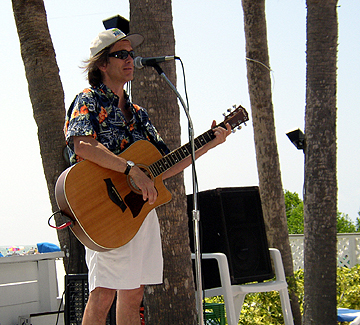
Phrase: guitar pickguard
[135,202]
[114,194]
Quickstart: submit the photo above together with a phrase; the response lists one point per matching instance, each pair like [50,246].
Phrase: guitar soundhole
[131,182]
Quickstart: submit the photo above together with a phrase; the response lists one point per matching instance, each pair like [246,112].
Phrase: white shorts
[137,263]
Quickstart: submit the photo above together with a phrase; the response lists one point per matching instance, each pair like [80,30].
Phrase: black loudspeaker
[231,222]
[76,297]
[117,22]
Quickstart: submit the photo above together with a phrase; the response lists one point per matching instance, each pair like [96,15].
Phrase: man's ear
[103,66]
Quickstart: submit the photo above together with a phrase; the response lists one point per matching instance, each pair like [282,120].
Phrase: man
[102,122]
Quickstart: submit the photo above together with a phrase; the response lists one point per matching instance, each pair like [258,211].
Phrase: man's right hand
[144,183]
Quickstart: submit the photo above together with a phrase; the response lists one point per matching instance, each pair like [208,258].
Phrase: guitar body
[106,207]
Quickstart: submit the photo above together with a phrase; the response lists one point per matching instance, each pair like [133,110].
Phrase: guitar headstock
[236,117]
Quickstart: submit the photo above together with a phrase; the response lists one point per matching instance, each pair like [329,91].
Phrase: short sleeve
[81,117]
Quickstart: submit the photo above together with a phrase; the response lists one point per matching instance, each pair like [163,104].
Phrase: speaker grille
[231,222]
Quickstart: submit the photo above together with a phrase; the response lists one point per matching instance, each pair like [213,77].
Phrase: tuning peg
[229,110]
[233,130]
[234,106]
[224,114]
[239,127]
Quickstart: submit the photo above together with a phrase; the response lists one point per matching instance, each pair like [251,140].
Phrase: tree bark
[270,183]
[320,199]
[47,98]
[173,302]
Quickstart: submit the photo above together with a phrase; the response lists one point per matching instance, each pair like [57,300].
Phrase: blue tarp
[47,247]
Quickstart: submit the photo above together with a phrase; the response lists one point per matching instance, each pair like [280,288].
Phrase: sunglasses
[122,54]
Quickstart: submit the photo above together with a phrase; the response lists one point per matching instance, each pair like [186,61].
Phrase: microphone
[140,62]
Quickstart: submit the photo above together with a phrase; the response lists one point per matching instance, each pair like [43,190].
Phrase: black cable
[67,253]
[59,310]
[67,220]
[195,179]
[188,106]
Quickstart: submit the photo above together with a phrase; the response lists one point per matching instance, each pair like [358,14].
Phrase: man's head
[100,49]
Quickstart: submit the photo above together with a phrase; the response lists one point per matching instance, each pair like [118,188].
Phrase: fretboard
[177,155]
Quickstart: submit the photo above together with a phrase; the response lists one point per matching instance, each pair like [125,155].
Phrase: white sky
[210,41]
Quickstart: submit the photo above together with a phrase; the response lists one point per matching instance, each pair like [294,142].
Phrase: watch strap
[128,168]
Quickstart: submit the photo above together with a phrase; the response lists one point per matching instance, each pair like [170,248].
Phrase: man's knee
[102,297]
[98,306]
[130,298]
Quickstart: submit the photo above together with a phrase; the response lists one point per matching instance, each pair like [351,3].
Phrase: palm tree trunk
[174,301]
[320,199]
[270,183]
[47,98]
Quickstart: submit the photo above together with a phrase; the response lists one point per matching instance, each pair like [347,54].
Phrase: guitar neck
[177,155]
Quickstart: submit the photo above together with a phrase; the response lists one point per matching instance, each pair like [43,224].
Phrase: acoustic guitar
[106,207]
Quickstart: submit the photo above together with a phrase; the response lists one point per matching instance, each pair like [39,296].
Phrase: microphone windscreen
[137,62]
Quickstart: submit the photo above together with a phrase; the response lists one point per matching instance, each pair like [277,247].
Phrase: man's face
[119,70]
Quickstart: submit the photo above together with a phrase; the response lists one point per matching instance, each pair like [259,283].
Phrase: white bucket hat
[111,36]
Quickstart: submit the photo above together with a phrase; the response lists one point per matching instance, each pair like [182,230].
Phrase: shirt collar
[112,96]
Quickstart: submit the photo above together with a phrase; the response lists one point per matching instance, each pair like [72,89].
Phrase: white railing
[28,286]
[348,246]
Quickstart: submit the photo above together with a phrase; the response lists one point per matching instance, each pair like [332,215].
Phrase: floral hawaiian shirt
[95,112]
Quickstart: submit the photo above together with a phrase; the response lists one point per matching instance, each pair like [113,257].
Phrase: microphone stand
[195,212]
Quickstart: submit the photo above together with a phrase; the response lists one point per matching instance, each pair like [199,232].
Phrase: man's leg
[128,306]
[98,306]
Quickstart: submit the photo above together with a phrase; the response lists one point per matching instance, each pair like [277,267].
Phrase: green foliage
[265,307]
[295,216]
[294,212]
[348,287]
[358,223]
[344,224]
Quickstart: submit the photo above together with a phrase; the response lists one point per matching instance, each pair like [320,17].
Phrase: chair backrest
[229,291]
[225,289]
[278,264]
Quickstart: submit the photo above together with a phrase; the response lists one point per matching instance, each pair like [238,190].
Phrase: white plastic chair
[234,295]
[356,321]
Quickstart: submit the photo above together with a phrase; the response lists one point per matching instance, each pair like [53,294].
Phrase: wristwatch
[129,164]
